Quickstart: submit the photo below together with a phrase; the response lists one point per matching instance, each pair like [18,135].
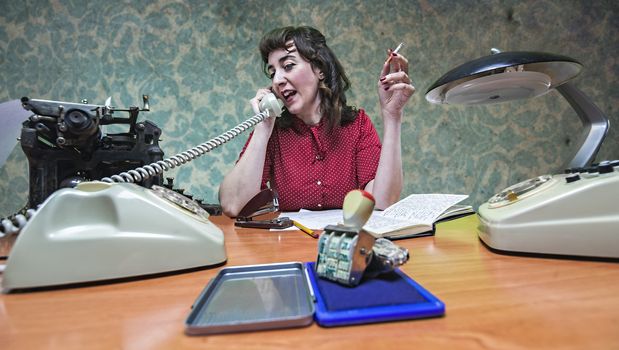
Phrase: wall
[199,63]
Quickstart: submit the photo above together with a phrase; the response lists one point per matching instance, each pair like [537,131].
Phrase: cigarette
[397,49]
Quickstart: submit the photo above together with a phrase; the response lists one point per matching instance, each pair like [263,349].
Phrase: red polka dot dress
[314,168]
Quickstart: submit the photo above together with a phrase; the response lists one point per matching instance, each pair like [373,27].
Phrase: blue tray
[389,297]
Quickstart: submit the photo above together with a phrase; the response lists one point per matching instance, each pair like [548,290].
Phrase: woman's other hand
[394,86]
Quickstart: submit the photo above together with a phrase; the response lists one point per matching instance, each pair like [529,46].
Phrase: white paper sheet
[12,115]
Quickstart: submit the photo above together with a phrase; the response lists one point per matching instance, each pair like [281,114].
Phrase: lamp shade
[502,77]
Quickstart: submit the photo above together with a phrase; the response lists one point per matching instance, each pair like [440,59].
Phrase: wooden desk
[492,302]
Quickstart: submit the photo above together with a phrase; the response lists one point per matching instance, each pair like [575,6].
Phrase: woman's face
[294,81]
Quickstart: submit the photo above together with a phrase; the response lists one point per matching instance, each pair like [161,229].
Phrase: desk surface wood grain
[492,301]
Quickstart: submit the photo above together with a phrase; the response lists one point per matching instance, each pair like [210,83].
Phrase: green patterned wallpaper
[199,63]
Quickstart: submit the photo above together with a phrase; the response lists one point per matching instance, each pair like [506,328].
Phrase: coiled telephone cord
[155,168]
[14,224]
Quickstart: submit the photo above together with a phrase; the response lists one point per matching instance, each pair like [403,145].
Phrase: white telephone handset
[271,104]
[111,229]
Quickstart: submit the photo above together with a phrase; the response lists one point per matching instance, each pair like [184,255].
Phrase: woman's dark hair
[312,46]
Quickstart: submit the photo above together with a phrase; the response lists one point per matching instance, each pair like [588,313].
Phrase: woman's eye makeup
[286,66]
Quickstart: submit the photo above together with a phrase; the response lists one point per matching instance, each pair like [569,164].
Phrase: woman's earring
[322,85]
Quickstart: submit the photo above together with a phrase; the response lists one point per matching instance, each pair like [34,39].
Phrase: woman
[320,148]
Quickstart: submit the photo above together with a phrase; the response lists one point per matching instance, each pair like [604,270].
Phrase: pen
[308,231]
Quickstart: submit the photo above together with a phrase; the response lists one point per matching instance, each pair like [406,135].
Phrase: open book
[416,215]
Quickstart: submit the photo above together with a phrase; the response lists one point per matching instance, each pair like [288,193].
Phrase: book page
[422,208]
[416,209]
[456,210]
[318,220]
[379,224]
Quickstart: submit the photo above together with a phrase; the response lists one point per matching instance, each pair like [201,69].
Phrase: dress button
[319,205]
[319,182]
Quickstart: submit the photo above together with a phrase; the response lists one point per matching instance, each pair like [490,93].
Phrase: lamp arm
[595,125]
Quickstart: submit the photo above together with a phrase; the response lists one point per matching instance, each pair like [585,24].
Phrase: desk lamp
[567,214]
[506,76]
